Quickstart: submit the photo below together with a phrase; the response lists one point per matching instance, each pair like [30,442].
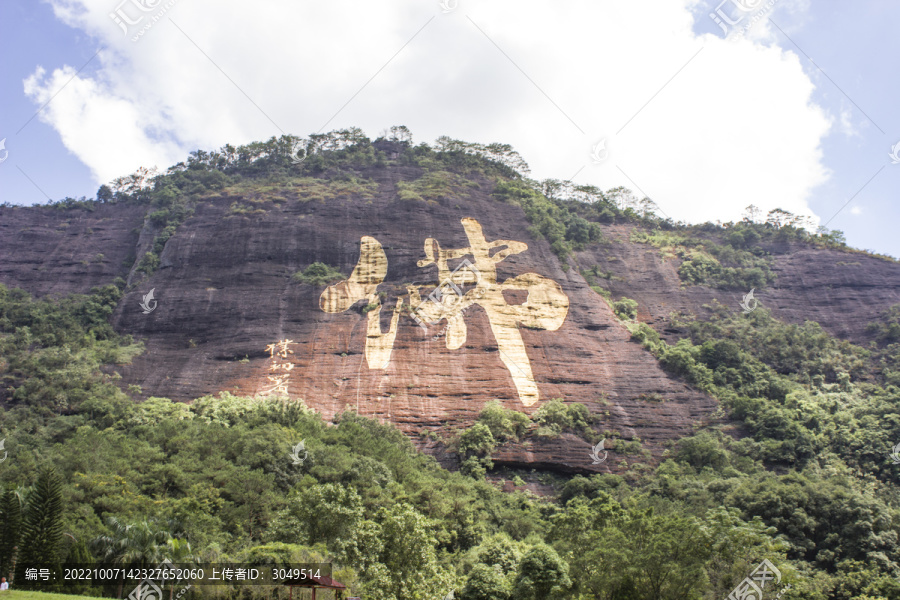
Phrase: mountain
[444,379]
[226,248]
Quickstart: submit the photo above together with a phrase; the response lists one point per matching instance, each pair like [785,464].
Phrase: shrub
[149,263]
[888,329]
[564,229]
[625,309]
[504,424]
[477,440]
[702,450]
[555,416]
[318,274]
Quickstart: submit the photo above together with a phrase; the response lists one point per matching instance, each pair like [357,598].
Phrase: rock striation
[446,304]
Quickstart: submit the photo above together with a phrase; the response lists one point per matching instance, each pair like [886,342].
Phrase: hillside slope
[227,273]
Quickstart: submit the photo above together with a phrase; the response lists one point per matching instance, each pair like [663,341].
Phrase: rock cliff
[506,323]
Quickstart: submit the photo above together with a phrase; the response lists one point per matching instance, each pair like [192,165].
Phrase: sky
[704,106]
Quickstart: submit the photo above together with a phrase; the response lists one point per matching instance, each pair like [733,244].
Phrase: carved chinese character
[545,308]
[361,285]
[546,305]
[278,384]
[280,348]
[282,367]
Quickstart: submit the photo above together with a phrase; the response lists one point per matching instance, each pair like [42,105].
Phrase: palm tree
[140,544]
[180,553]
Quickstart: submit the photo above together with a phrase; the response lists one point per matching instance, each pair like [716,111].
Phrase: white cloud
[845,123]
[735,127]
[109,134]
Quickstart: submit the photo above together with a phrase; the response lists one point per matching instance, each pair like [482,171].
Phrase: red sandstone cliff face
[225,294]
[843,292]
[50,251]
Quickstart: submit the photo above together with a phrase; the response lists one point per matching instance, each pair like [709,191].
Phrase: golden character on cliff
[278,384]
[279,348]
[546,306]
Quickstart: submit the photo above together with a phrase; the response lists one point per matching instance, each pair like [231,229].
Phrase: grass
[304,189]
[20,595]
[433,186]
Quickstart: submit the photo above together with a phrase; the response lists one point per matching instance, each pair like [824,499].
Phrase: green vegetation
[705,262]
[40,526]
[798,471]
[337,166]
[563,229]
[433,186]
[496,425]
[149,263]
[171,197]
[13,594]
[821,410]
[242,209]
[504,424]
[887,330]
[591,275]
[305,189]
[555,416]
[53,350]
[318,274]
[11,514]
[215,475]
[625,309]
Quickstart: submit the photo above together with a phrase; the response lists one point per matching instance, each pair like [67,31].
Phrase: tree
[486,583]
[701,450]
[736,547]
[477,439]
[603,566]
[599,554]
[573,527]
[668,553]
[327,513]
[104,194]
[250,491]
[401,133]
[78,556]
[10,529]
[397,555]
[542,573]
[180,553]
[42,523]
[626,309]
[752,214]
[137,181]
[496,563]
[141,544]
[504,424]
[502,552]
